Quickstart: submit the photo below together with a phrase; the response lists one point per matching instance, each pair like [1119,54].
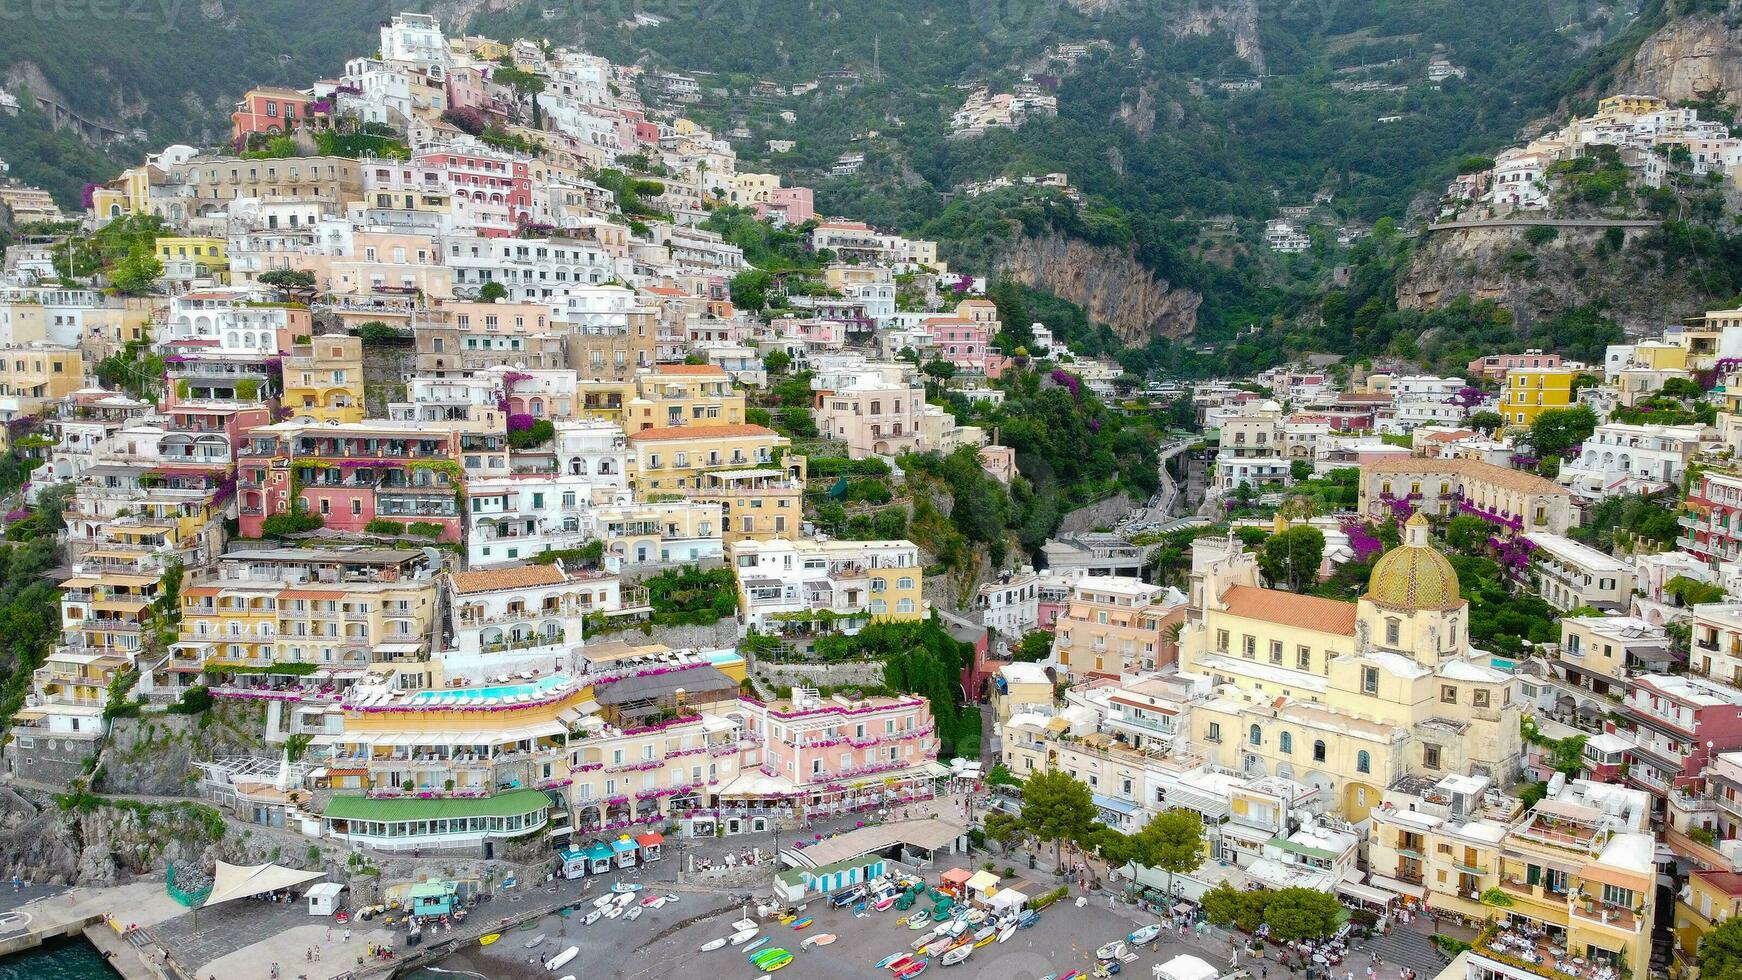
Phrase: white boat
[624,886]
[632,914]
[1007,932]
[957,955]
[625,899]
[535,941]
[592,917]
[613,911]
[714,944]
[820,939]
[563,958]
[958,926]
[657,903]
[743,936]
[1111,951]
[603,900]
[1144,934]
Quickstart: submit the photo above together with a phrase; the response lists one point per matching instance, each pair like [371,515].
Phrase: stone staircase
[1404,947]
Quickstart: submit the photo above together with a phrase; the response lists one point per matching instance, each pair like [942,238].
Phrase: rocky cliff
[1237,18]
[1110,283]
[154,755]
[1539,281]
[1692,57]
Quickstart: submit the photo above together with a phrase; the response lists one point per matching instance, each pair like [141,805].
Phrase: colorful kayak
[802,923]
[487,940]
[753,947]
[772,960]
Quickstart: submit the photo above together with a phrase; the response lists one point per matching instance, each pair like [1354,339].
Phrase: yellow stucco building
[323,380]
[1528,392]
[1346,697]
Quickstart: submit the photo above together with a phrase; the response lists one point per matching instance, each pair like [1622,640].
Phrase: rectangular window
[1370,680]
[1448,694]
[1480,698]
[1430,756]
[1303,658]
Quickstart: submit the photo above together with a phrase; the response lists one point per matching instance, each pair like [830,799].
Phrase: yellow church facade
[1345,696]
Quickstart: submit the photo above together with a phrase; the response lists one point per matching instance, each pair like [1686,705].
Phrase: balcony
[1612,916]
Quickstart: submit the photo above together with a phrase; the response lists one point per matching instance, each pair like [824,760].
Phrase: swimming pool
[538,688]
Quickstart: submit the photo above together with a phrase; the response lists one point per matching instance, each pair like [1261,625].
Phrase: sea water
[75,960]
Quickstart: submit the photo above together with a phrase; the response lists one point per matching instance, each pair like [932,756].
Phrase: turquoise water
[1501,663]
[495,691]
[67,961]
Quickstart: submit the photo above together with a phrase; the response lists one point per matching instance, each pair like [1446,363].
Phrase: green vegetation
[294,522]
[1617,520]
[586,556]
[1290,560]
[1292,914]
[29,615]
[692,597]
[540,432]
[918,658]
[1566,755]
[374,333]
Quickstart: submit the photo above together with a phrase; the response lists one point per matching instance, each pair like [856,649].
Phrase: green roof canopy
[517,803]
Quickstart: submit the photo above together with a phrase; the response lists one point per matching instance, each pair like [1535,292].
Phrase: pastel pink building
[838,753]
[485,178]
[350,474]
[1495,366]
[962,342]
[794,205]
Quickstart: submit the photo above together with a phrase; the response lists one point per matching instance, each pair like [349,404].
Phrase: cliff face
[1238,18]
[1109,283]
[1691,57]
[1538,281]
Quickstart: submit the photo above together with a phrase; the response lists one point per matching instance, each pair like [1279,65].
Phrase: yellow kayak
[487,940]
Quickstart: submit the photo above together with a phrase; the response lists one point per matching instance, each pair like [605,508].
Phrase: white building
[1569,574]
[1620,458]
[520,621]
[840,577]
[1424,400]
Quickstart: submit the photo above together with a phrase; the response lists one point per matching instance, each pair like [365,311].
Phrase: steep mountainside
[1111,285]
[1693,58]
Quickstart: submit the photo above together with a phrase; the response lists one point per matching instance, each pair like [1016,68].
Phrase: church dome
[1413,575]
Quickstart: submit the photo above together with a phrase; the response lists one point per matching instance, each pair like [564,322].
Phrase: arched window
[1257,736]
[1319,750]
[1363,761]
[1392,630]
[1287,741]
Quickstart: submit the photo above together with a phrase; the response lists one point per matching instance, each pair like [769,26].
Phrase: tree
[374,333]
[1467,533]
[138,272]
[492,291]
[288,280]
[1000,775]
[1721,952]
[1299,469]
[1295,914]
[1172,841]
[1057,808]
[939,369]
[1004,829]
[749,289]
[1489,422]
[1035,646]
[1291,559]
[1558,430]
[776,362]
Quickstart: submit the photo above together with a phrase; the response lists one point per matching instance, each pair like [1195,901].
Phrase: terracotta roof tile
[1468,469]
[1291,609]
[671,432]
[500,579]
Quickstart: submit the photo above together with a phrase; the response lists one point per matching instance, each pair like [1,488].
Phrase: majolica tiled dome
[1413,575]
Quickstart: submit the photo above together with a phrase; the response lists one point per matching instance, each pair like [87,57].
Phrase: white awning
[234,881]
[1186,967]
[1396,887]
[1365,893]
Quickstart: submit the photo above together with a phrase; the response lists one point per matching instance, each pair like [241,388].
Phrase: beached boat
[488,939]
[714,944]
[820,939]
[632,914]
[613,911]
[593,917]
[986,937]
[1073,975]
[803,923]
[772,960]
[913,969]
[563,958]
[649,900]
[625,886]
[976,916]
[671,899]
[535,941]
[603,900]
[918,920]
[1144,934]
[1111,951]
[1027,920]
[1006,932]
[958,926]
[899,963]
[883,904]
[883,963]
[743,936]
[957,955]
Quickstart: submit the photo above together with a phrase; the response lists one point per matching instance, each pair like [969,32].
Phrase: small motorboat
[625,886]
[901,963]
[603,900]
[958,926]
[625,899]
[649,900]
[613,911]
[535,941]
[592,917]
[742,936]
[714,944]
[563,958]
[883,963]
[883,904]
[976,916]
[820,939]
[918,919]
[1145,934]
[671,899]
[488,939]
[913,969]
[1006,932]
[939,946]
[803,923]
[957,955]
[1111,951]
[842,899]
[986,936]
[633,914]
